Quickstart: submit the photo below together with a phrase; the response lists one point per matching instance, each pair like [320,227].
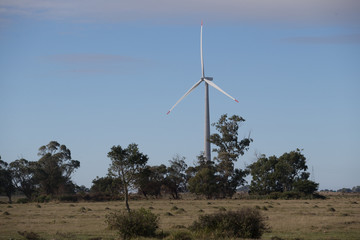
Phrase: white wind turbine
[208,81]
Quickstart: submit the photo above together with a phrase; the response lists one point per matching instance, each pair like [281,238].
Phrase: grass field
[337,217]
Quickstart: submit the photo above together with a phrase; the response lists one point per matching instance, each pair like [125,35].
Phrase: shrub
[30,235]
[180,211]
[62,235]
[274,195]
[318,196]
[179,226]
[332,209]
[181,235]
[43,199]
[22,200]
[222,209]
[135,223]
[306,186]
[68,198]
[84,209]
[292,195]
[244,223]
[277,238]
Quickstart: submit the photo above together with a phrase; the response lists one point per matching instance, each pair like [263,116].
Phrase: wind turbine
[208,81]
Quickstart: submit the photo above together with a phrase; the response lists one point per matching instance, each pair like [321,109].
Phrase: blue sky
[93,74]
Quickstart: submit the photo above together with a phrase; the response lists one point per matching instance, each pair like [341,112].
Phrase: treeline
[50,175]
[129,171]
[355,189]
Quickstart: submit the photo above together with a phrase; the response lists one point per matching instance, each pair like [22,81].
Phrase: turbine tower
[208,81]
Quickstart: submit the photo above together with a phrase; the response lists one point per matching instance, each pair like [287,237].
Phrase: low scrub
[181,235]
[43,199]
[244,223]
[22,200]
[283,195]
[132,224]
[30,235]
[68,198]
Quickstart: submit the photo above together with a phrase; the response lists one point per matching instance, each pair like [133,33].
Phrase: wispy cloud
[340,39]
[312,11]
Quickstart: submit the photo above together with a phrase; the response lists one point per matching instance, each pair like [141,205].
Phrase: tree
[126,164]
[23,176]
[82,189]
[229,148]
[151,179]
[202,178]
[305,186]
[107,185]
[344,190]
[291,167]
[356,189]
[6,185]
[54,169]
[204,183]
[175,180]
[281,174]
[263,175]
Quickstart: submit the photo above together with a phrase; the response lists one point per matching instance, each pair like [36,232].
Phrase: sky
[93,74]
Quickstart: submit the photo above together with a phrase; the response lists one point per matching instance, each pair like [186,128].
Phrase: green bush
[244,223]
[135,223]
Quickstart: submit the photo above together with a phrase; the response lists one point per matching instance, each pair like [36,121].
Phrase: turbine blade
[201,51]
[215,86]
[187,93]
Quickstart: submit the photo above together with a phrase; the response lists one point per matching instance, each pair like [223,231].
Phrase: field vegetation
[175,202]
[336,217]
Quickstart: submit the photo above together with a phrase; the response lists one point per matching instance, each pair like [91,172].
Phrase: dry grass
[335,218]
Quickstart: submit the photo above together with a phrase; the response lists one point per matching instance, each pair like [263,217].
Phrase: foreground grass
[335,218]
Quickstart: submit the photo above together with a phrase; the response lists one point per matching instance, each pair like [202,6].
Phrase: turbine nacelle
[207,78]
